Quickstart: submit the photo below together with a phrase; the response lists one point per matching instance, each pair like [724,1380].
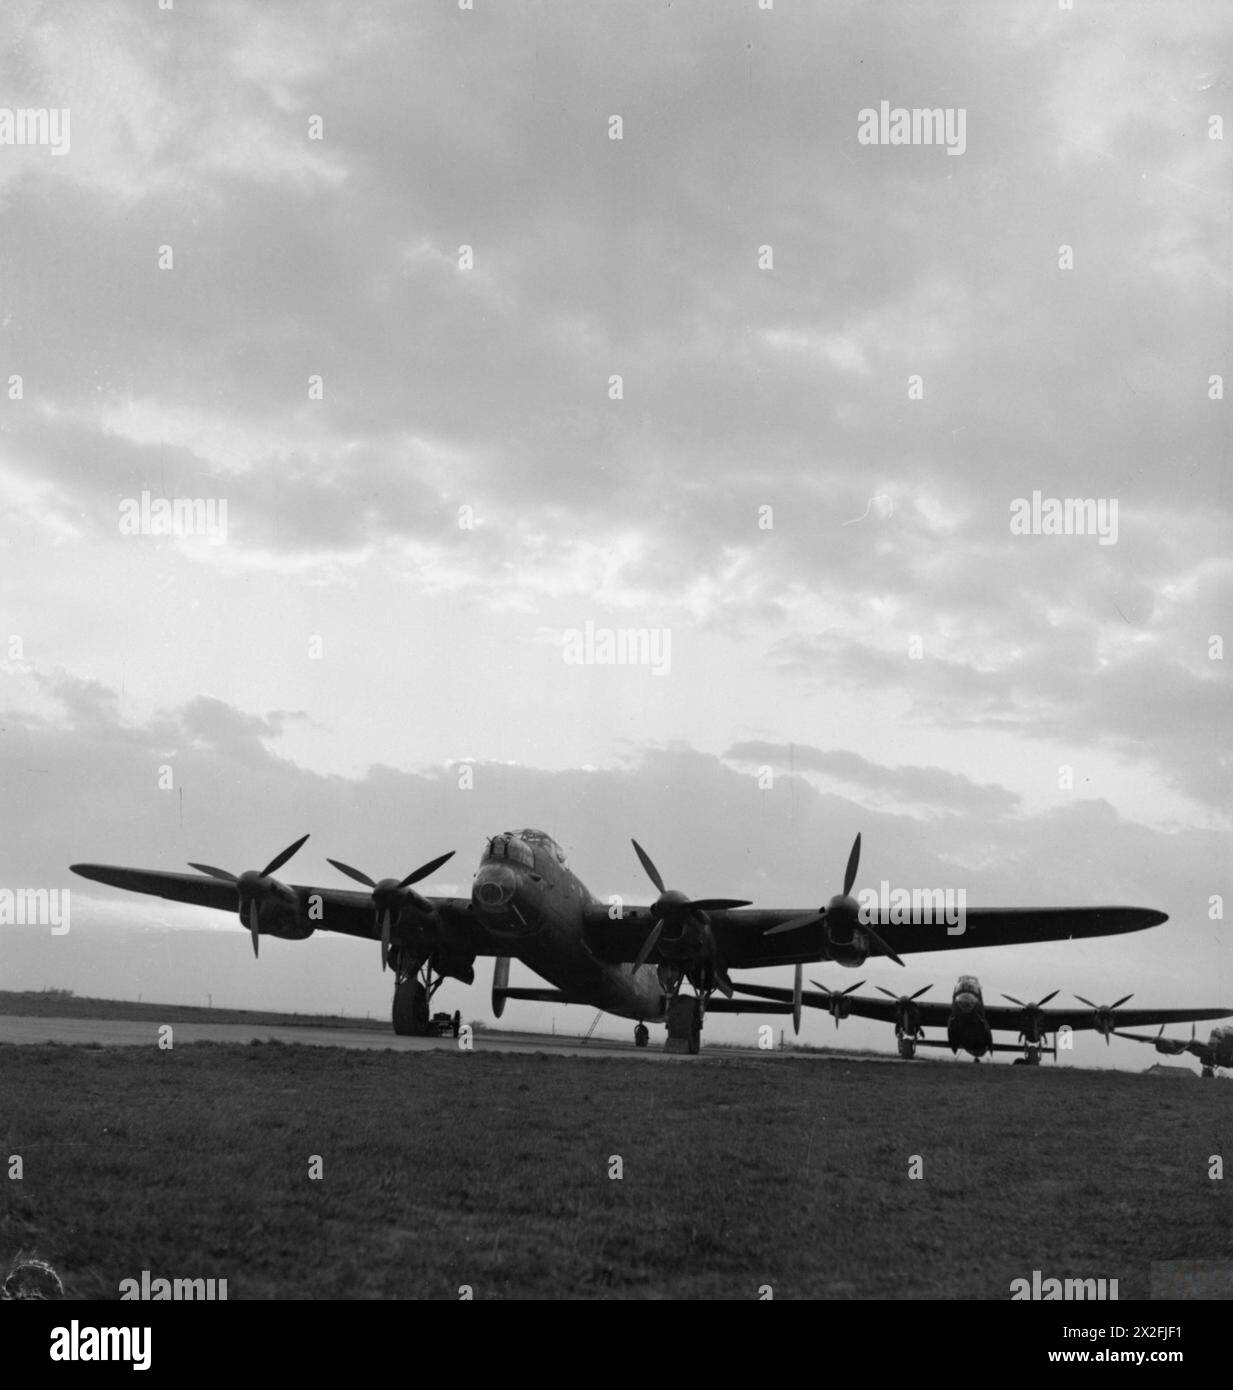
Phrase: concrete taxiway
[109,1032]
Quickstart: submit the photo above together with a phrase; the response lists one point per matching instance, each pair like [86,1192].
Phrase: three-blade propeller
[1032,1013]
[1039,1004]
[904,998]
[844,910]
[673,907]
[391,894]
[838,1009]
[253,881]
[908,1016]
[1104,1013]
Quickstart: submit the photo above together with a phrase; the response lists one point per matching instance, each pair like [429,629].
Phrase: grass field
[55,1003]
[492,1170]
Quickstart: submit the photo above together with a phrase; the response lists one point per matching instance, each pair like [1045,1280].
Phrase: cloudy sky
[366,274]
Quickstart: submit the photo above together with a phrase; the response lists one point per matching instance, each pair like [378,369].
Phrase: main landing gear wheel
[410,1008]
[907,1049]
[642,1035]
[1209,1072]
[685,1025]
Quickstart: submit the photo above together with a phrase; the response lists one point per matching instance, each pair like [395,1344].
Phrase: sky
[472,376]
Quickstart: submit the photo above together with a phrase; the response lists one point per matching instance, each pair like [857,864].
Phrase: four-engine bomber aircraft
[1217,1051]
[525,903]
[970,1022]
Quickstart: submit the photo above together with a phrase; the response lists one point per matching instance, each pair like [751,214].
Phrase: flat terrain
[51,1003]
[492,1170]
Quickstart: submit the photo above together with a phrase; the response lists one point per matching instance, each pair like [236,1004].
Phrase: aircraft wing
[931,1015]
[1013,1018]
[1005,1018]
[1170,1047]
[740,933]
[340,909]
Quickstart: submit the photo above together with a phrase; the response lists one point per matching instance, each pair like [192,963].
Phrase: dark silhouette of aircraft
[1217,1051]
[526,904]
[970,1023]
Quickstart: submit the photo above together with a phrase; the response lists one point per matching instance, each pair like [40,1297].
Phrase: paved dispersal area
[139,1033]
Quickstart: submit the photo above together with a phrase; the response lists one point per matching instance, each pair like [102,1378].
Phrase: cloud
[926,786]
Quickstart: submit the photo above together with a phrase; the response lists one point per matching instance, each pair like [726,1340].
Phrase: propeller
[1032,1011]
[674,908]
[797,977]
[1173,1047]
[843,911]
[252,885]
[907,1010]
[837,1006]
[1104,1013]
[391,895]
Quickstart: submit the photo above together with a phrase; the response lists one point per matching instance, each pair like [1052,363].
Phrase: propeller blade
[351,873]
[649,944]
[806,919]
[1120,1002]
[919,992]
[213,872]
[385,939]
[1010,999]
[1040,1003]
[796,998]
[1088,1002]
[889,995]
[425,869]
[853,988]
[651,871]
[854,861]
[717,904]
[254,920]
[279,860]
[886,950]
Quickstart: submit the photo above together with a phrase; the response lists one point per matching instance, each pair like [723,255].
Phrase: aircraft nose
[965,1003]
[494,887]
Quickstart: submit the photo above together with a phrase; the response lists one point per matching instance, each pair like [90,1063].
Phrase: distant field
[55,1004]
[492,1170]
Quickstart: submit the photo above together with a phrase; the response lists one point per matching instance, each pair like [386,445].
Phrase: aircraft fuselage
[968,1029]
[524,890]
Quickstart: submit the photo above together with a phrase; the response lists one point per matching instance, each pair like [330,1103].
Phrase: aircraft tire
[642,1035]
[410,1013]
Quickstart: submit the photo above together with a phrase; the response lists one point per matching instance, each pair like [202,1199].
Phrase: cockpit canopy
[518,847]
[511,847]
[540,837]
[967,984]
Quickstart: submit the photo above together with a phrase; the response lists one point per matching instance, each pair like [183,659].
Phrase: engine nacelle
[279,910]
[287,931]
[845,942]
[848,948]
